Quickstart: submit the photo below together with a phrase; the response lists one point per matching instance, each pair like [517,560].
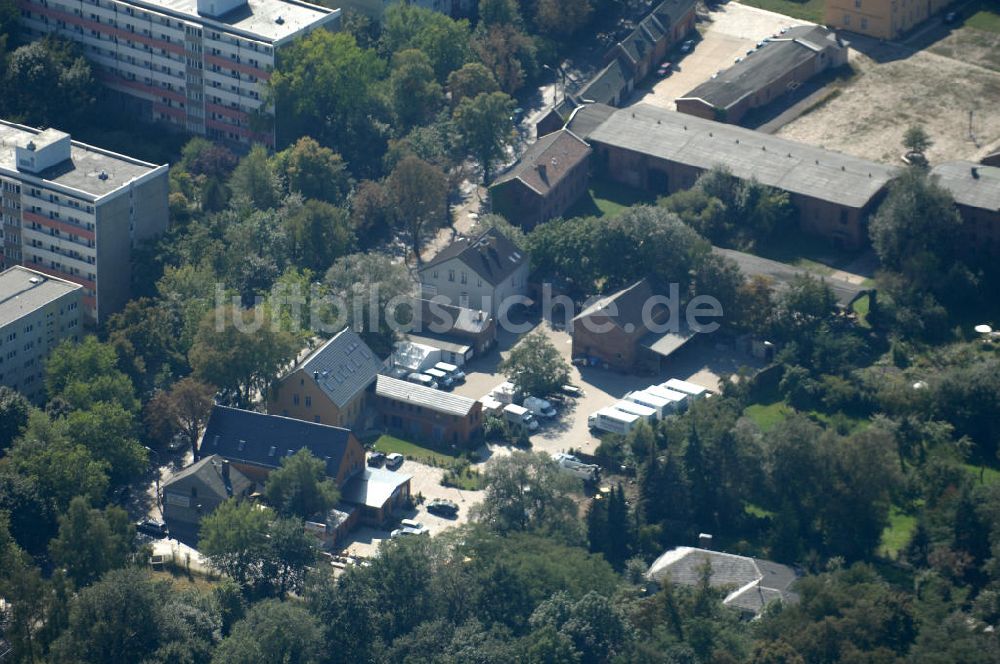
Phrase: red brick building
[423,413]
[976,190]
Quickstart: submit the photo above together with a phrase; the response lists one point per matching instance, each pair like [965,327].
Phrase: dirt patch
[972,46]
[874,109]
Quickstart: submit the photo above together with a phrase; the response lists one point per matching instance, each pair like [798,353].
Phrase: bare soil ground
[895,87]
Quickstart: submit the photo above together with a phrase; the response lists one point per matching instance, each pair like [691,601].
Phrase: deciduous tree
[420,194]
[92,542]
[300,487]
[486,127]
[535,366]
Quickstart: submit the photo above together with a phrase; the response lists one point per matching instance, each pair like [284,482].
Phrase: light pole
[561,73]
[157,476]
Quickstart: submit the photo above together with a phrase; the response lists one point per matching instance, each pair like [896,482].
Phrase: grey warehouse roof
[971,184]
[753,583]
[777,162]
[373,487]
[783,273]
[345,365]
[418,395]
[19,295]
[767,64]
[81,172]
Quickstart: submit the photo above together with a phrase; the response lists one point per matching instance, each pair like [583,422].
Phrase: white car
[393,461]
[539,407]
[406,532]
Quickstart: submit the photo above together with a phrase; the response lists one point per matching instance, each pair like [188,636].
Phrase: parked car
[153,528]
[376,459]
[393,461]
[571,391]
[687,46]
[539,407]
[444,380]
[452,370]
[403,532]
[666,68]
[422,379]
[950,17]
[443,507]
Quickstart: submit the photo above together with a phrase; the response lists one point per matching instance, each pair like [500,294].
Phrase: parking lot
[728,33]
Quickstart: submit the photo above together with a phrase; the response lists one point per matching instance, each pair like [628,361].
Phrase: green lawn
[989,475]
[767,416]
[608,199]
[861,307]
[389,444]
[467,480]
[809,10]
[984,18]
[757,511]
[897,534]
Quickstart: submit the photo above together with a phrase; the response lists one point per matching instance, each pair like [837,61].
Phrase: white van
[491,406]
[443,380]
[504,392]
[696,391]
[662,406]
[613,421]
[647,414]
[587,472]
[456,374]
[520,418]
[539,407]
[677,399]
[422,379]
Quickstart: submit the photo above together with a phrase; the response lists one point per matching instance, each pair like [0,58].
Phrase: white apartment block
[199,65]
[75,212]
[37,312]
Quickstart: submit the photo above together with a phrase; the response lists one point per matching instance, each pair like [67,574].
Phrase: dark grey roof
[767,64]
[438,317]
[206,477]
[607,84]
[587,118]
[342,367]
[981,190]
[263,440]
[23,290]
[752,583]
[627,306]
[777,162]
[426,397]
[491,255]
[670,11]
[783,273]
[547,161]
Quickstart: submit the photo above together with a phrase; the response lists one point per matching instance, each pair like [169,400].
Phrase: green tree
[57,67]
[241,358]
[324,87]
[273,631]
[562,17]
[414,93]
[470,81]
[526,491]
[314,171]
[535,366]
[374,282]
[372,213]
[256,180]
[445,41]
[507,52]
[85,373]
[184,408]
[318,233]
[147,338]
[91,542]
[300,487]
[234,539]
[420,193]
[915,139]
[486,127]
[108,431]
[915,227]
[14,410]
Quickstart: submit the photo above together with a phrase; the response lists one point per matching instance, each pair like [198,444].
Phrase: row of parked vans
[524,417]
[442,376]
[648,405]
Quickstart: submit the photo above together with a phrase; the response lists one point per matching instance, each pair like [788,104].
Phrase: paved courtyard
[729,33]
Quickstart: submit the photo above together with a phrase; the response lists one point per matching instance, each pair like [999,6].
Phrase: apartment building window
[864,23]
[464,277]
[847,19]
[295,400]
[451,275]
[857,4]
[309,402]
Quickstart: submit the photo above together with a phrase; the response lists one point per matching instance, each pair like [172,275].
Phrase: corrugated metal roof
[418,395]
[979,191]
[373,487]
[793,167]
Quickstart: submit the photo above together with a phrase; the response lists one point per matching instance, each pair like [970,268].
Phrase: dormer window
[272,451]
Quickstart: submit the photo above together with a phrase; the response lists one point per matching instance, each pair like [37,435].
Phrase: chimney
[975,173]
[705,541]
[315,375]
[542,172]
[225,469]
